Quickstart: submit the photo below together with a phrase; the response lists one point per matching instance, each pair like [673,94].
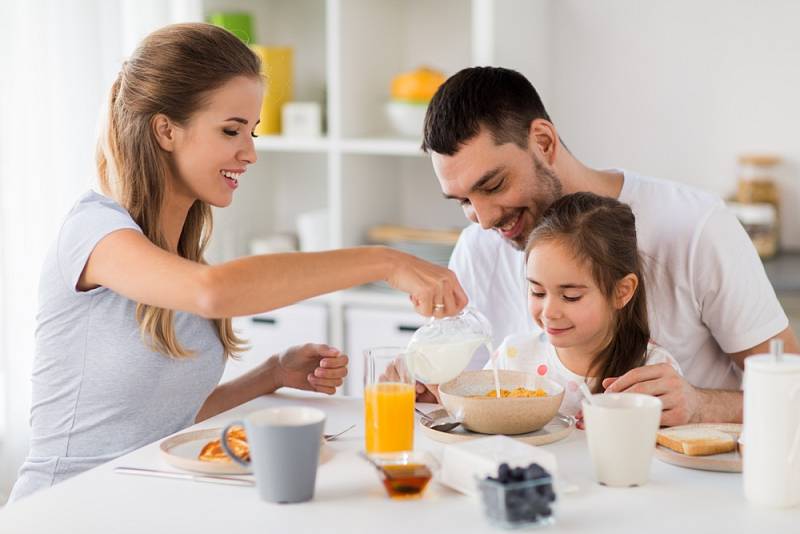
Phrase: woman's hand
[311,367]
[433,290]
[428,393]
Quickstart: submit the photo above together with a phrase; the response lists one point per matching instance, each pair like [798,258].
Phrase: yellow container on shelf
[277,68]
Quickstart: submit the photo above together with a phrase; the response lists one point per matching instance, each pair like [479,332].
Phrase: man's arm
[684,403]
[726,406]
[790,344]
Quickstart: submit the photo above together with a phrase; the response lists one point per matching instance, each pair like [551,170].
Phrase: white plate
[182,450]
[557,429]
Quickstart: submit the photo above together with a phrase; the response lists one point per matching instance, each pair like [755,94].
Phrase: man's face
[500,187]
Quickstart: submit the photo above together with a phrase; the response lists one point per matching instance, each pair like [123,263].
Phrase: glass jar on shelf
[756,182]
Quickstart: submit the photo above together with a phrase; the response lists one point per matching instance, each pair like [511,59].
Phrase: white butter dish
[464,463]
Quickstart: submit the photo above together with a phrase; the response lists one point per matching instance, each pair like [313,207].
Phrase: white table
[350,499]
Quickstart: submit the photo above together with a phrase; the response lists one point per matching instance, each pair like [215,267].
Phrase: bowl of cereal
[527,401]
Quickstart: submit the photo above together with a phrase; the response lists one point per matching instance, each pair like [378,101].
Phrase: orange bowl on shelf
[418,85]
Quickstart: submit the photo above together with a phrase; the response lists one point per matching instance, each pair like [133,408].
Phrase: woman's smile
[231,177]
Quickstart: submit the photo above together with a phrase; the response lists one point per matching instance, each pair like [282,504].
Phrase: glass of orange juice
[388,401]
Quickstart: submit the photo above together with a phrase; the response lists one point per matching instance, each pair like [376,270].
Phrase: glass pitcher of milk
[442,348]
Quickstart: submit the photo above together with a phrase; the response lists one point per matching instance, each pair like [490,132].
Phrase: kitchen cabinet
[269,333]
[365,327]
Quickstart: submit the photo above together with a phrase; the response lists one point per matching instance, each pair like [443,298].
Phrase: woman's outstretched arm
[129,264]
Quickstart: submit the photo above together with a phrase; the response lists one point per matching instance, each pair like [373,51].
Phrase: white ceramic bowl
[405,118]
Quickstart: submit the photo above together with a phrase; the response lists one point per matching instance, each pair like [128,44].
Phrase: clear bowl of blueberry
[518,497]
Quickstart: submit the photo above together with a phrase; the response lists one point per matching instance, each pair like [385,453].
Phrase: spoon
[375,464]
[776,349]
[438,420]
[331,437]
[587,394]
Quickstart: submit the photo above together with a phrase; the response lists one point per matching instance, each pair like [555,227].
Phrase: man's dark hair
[501,100]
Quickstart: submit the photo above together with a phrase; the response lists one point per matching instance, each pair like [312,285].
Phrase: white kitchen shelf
[383,146]
[280,143]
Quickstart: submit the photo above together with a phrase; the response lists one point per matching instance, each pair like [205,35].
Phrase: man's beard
[548,190]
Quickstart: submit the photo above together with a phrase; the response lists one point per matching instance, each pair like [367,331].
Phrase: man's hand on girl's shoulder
[681,401]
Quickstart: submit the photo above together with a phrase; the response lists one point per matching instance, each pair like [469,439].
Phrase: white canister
[771,430]
[301,119]
[313,230]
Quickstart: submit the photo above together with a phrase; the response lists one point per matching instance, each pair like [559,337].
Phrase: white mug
[621,431]
[771,430]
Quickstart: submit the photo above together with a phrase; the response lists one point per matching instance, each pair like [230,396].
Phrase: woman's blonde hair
[172,72]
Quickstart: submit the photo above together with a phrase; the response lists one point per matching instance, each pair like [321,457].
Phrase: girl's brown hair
[172,72]
[601,232]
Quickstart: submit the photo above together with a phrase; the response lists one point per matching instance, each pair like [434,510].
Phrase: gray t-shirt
[98,390]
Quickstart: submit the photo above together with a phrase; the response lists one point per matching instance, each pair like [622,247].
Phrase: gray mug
[284,451]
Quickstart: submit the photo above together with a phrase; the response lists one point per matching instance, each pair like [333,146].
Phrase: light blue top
[98,390]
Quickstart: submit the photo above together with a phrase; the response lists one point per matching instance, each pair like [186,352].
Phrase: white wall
[677,89]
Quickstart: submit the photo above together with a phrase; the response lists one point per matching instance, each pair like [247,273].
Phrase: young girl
[587,294]
[133,325]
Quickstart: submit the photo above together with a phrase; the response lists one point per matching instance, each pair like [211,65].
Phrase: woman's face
[214,148]
[564,299]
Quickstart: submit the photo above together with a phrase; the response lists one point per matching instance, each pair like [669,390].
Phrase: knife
[211,479]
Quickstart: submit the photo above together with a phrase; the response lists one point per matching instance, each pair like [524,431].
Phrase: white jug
[771,430]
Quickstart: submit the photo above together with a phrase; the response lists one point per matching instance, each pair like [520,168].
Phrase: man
[495,151]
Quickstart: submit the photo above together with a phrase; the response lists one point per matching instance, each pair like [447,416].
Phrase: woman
[133,326]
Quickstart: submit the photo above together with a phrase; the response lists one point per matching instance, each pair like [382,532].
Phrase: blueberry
[518,474]
[503,473]
[547,493]
[514,499]
[535,472]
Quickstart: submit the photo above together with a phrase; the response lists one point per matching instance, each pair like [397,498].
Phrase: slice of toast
[696,441]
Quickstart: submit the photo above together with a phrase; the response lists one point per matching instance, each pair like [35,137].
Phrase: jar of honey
[760,223]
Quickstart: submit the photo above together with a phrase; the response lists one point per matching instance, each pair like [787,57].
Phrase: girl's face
[213,150]
[565,301]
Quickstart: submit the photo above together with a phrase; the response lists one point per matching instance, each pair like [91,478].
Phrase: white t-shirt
[533,353]
[707,292]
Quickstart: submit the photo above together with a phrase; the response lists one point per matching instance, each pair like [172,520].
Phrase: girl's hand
[424,393]
[433,290]
[428,393]
[312,367]
[579,423]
